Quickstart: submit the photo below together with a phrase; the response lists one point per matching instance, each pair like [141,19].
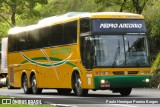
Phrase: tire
[125,91]
[77,86]
[34,88]
[8,84]
[64,91]
[25,85]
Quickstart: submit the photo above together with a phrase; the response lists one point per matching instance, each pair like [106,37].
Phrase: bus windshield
[120,50]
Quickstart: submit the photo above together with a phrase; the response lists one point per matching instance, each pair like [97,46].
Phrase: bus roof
[76,15]
[73,16]
[16,30]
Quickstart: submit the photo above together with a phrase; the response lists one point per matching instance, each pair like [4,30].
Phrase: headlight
[146,80]
[102,81]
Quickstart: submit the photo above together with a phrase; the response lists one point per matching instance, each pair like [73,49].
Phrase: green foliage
[156,72]
[3,28]
[135,6]
[56,7]
[13,11]
[155,81]
[18,7]
[156,63]
[153,26]
[153,20]
[23,105]
[104,4]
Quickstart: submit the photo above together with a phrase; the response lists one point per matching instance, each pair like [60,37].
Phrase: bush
[155,81]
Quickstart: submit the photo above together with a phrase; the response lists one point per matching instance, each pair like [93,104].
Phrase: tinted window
[33,39]
[11,43]
[44,35]
[60,34]
[57,32]
[84,25]
[22,41]
[70,32]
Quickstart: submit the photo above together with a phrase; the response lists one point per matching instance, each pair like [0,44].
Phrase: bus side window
[11,43]
[44,35]
[70,32]
[33,39]
[52,37]
[57,35]
[22,39]
[85,25]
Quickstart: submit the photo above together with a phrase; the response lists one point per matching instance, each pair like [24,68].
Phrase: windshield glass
[136,51]
[121,50]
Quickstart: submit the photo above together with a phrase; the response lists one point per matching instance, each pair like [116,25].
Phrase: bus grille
[125,72]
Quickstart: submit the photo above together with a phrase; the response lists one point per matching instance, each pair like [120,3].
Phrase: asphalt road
[104,98]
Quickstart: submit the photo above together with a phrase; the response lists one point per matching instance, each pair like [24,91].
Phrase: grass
[5,96]
[20,105]
[23,105]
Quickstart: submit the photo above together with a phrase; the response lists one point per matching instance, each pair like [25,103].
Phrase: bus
[80,51]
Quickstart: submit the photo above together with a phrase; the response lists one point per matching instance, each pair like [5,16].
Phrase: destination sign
[114,25]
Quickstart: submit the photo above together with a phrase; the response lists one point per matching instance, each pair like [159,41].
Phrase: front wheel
[77,86]
[34,88]
[125,91]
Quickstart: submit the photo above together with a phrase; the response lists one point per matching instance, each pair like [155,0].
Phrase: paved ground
[94,99]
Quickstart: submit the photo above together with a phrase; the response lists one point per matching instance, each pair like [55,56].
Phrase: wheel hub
[78,85]
[25,84]
[34,84]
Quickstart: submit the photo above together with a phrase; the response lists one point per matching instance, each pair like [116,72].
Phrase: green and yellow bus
[80,51]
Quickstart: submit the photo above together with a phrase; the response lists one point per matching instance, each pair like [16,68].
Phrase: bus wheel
[35,90]
[77,86]
[125,91]
[25,85]
[64,91]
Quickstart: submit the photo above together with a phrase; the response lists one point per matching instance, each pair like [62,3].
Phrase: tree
[139,5]
[11,8]
[136,6]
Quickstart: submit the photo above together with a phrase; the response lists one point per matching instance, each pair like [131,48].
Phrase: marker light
[144,72]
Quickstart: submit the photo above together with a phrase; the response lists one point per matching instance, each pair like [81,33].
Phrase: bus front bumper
[111,82]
